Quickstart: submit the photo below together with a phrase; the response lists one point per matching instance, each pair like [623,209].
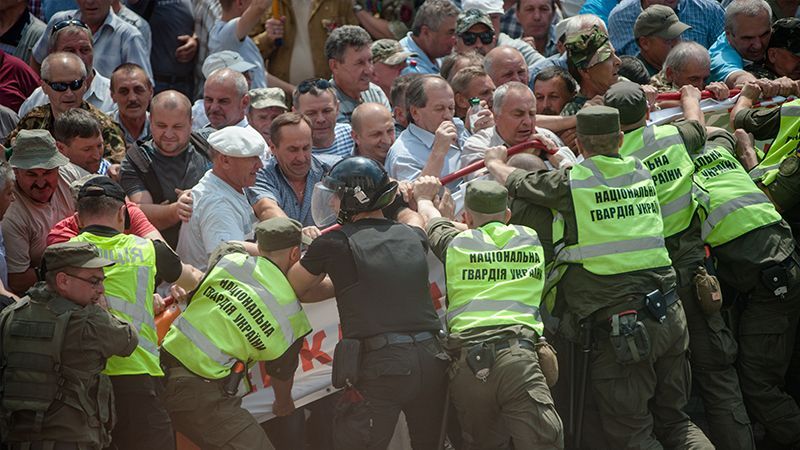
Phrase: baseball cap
[226,59]
[588,48]
[267,97]
[238,142]
[279,233]
[597,120]
[786,35]
[101,187]
[74,254]
[486,197]
[660,21]
[390,52]
[471,17]
[36,149]
[628,98]
[484,6]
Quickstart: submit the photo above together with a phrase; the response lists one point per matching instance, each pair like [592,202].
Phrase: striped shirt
[342,146]
[374,94]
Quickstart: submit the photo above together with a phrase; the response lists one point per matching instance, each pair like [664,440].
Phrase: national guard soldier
[663,149]
[379,272]
[142,420]
[618,283]
[495,278]
[55,343]
[243,312]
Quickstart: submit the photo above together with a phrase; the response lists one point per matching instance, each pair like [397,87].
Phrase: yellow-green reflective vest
[784,145]
[243,310]
[495,276]
[733,205]
[618,217]
[663,152]
[129,286]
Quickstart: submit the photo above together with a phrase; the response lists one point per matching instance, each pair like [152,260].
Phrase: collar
[342,96]
[100,230]
[425,136]
[415,48]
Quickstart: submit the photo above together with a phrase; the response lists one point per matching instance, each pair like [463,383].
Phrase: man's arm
[556,124]
[321,292]
[377,28]
[250,18]
[739,78]
[21,282]
[267,208]
[446,135]
[750,94]
[162,216]
[302,280]
[190,277]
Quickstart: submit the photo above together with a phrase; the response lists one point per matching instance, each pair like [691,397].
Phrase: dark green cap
[470,18]
[74,254]
[597,120]
[223,249]
[629,100]
[588,48]
[660,21]
[279,233]
[486,197]
[36,149]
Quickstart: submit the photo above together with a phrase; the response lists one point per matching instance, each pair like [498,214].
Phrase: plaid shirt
[706,17]
[509,23]
[206,13]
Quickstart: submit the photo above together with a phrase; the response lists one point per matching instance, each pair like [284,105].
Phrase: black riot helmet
[361,184]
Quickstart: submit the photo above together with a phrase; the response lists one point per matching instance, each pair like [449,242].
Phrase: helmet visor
[324,206]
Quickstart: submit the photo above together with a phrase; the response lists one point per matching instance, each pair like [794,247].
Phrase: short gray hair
[63,56]
[431,14]
[69,30]
[500,94]
[344,37]
[415,93]
[747,8]
[684,53]
[6,175]
[225,74]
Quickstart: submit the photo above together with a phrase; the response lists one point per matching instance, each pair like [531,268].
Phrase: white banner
[312,379]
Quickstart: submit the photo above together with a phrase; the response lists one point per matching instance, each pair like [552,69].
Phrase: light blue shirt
[706,17]
[553,61]
[115,42]
[725,60]
[600,8]
[223,37]
[417,64]
[272,184]
[410,152]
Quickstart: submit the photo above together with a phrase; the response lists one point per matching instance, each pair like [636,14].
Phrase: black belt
[172,79]
[382,340]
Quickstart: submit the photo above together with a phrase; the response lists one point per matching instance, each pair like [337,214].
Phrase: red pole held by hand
[703,95]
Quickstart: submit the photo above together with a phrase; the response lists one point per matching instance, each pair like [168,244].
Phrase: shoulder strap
[142,164]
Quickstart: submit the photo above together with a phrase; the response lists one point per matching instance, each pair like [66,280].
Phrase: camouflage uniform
[41,118]
[585,50]
[399,13]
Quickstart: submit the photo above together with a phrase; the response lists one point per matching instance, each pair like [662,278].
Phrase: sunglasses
[470,38]
[61,86]
[68,23]
[307,85]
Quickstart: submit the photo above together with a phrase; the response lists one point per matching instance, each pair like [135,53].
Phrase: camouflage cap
[279,233]
[597,120]
[390,52]
[660,21]
[588,48]
[267,98]
[36,149]
[74,254]
[486,197]
[786,35]
[470,18]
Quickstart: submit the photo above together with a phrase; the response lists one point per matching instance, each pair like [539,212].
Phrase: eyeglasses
[469,37]
[68,23]
[94,282]
[61,86]
[307,85]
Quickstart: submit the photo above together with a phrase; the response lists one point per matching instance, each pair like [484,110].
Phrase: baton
[477,165]
[703,95]
[276,14]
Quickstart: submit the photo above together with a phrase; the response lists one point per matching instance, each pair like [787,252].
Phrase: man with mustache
[226,100]
[553,88]
[132,92]
[43,199]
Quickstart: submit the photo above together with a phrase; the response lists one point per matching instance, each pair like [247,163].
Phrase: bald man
[373,131]
[504,64]
[158,174]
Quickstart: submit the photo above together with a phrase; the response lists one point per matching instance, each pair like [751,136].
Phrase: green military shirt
[584,291]
[41,118]
[763,123]
[748,254]
[538,218]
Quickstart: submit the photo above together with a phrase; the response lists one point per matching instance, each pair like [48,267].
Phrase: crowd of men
[200,152]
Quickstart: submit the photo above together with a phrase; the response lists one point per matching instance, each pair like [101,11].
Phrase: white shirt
[221,213]
[475,146]
[98,95]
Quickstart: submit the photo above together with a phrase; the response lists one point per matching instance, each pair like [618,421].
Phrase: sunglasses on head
[61,86]
[469,37]
[68,23]
[307,85]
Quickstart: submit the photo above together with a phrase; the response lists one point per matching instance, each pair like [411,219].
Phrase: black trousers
[142,422]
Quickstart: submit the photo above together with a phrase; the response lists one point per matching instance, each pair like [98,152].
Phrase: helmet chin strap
[344,217]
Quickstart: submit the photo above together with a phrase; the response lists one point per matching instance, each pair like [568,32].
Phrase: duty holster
[629,337]
[346,362]
[480,359]
[776,279]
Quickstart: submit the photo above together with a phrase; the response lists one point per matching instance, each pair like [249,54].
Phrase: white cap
[484,6]
[238,142]
[561,27]
[226,59]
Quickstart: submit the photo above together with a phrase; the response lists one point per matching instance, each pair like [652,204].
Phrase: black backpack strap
[143,165]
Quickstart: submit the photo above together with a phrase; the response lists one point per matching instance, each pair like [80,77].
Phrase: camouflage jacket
[41,118]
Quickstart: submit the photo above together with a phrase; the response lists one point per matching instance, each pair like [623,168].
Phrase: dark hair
[415,93]
[75,123]
[94,206]
[343,38]
[633,69]
[285,119]
[130,68]
[449,62]
[557,72]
